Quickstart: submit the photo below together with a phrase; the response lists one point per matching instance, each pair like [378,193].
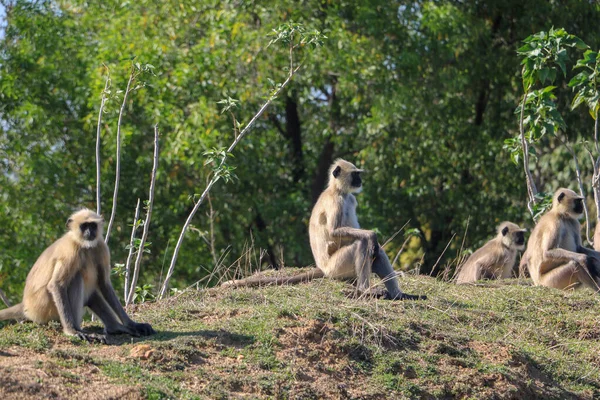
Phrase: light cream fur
[70,274]
[556,257]
[495,259]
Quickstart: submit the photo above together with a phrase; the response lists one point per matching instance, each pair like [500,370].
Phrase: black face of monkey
[578,206]
[356,180]
[89,230]
[519,238]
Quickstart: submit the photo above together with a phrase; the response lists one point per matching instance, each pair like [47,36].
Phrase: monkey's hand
[376,248]
[373,244]
[142,329]
[91,337]
[373,292]
[584,260]
[404,296]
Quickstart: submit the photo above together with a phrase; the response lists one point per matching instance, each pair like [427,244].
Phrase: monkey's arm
[111,298]
[553,254]
[563,256]
[487,265]
[588,252]
[58,287]
[347,232]
[66,288]
[107,291]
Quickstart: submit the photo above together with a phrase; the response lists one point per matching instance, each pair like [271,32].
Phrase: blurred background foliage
[421,94]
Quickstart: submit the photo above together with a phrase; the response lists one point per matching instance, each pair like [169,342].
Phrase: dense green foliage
[420,93]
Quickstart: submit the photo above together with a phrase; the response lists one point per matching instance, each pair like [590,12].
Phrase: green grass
[494,340]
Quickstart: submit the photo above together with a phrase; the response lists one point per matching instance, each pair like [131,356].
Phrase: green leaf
[543,75]
[577,100]
[579,79]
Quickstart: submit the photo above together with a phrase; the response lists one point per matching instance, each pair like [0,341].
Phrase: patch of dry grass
[496,340]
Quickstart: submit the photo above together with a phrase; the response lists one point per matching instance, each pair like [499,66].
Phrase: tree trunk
[596,237]
[294,134]
[322,175]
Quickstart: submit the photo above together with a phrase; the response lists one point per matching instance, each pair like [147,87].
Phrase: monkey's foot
[404,296]
[142,329]
[91,337]
[372,293]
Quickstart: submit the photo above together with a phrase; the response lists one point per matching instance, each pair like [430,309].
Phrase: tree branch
[531,189]
[580,183]
[131,250]
[98,130]
[215,178]
[138,259]
[132,77]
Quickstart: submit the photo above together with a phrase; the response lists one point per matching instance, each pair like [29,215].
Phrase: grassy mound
[312,341]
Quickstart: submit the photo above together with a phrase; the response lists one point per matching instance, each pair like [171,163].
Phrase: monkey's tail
[278,281]
[14,312]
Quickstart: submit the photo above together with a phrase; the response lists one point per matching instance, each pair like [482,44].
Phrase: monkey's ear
[336,171]
[69,222]
[561,196]
[504,231]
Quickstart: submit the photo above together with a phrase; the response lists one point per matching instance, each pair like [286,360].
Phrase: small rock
[141,351]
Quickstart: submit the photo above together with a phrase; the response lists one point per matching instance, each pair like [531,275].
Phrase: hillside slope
[311,341]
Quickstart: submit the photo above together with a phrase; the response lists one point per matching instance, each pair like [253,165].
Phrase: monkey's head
[85,227]
[345,177]
[512,235]
[567,202]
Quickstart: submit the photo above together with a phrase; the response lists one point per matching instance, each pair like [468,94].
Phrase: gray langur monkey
[340,247]
[342,250]
[556,256]
[72,273]
[496,258]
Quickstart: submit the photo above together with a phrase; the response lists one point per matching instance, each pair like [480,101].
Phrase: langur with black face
[340,247]
[74,272]
[555,255]
[496,258]
[342,250]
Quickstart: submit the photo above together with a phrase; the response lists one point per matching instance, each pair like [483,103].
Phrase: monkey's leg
[593,264]
[507,272]
[568,275]
[383,268]
[100,307]
[363,264]
[107,291]
[68,299]
[351,262]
